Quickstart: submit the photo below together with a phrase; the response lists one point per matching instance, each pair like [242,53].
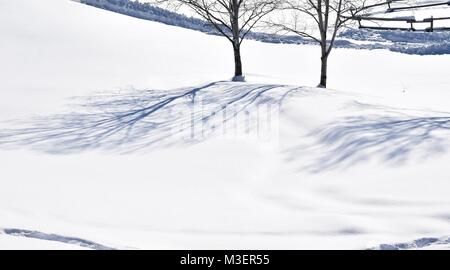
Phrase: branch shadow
[393,140]
[137,120]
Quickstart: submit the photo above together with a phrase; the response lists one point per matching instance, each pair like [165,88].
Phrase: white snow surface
[361,165]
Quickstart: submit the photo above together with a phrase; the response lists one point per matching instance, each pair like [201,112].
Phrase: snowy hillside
[98,150]
[420,43]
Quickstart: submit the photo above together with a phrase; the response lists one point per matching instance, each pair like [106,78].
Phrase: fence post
[431,24]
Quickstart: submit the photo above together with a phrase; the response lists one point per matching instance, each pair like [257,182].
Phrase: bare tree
[233,19]
[319,20]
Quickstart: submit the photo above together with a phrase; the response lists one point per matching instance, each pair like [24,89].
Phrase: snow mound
[148,119]
[54,238]
[422,243]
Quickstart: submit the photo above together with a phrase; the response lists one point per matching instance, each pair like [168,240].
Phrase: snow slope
[421,43]
[350,168]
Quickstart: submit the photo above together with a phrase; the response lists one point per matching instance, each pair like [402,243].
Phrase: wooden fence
[411,20]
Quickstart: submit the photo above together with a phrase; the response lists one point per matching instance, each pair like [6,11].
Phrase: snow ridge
[425,242]
[55,237]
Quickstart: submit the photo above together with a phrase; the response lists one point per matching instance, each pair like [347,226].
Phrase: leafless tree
[233,19]
[319,20]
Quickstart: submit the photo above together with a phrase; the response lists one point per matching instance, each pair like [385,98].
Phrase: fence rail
[411,20]
[391,9]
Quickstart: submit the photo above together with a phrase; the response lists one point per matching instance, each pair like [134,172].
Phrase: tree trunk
[236,40]
[237,61]
[323,71]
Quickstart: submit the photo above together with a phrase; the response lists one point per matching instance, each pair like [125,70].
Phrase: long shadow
[391,140]
[139,120]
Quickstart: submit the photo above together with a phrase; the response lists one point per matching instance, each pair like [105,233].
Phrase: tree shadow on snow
[140,120]
[392,140]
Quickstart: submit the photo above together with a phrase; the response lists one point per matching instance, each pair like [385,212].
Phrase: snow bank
[420,43]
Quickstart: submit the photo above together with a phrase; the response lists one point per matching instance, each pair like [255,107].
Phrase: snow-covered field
[97,150]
